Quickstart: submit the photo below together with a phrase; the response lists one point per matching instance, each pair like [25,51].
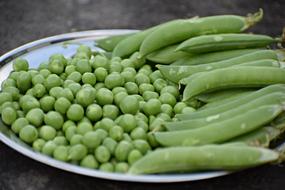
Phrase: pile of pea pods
[186,95]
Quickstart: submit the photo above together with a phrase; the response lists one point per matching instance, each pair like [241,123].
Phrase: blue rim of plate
[11,140]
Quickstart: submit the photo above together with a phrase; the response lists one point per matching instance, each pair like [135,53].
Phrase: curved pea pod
[202,113]
[232,77]
[270,99]
[221,131]
[109,43]
[212,57]
[181,30]
[175,73]
[208,157]
[219,42]
[166,55]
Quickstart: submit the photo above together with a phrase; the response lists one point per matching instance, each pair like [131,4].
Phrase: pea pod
[181,30]
[175,73]
[202,113]
[219,42]
[221,131]
[212,57]
[186,123]
[109,43]
[167,55]
[208,157]
[232,77]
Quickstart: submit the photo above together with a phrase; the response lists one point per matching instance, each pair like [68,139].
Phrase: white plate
[38,51]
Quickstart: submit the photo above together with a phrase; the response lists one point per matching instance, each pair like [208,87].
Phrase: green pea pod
[208,157]
[220,42]
[221,131]
[232,77]
[186,123]
[166,55]
[212,57]
[109,43]
[202,113]
[181,30]
[175,73]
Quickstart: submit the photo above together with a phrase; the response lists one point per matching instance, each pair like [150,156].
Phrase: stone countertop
[28,20]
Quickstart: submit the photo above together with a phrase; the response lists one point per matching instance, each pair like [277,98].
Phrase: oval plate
[38,51]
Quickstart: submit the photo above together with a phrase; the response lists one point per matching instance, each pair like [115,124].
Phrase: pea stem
[252,19]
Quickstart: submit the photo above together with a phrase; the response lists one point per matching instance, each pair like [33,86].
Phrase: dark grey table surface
[27,20]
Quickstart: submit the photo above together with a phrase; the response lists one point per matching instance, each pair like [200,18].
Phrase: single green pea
[166,108]
[81,56]
[106,124]
[67,93]
[110,144]
[75,112]
[59,57]
[143,125]
[122,150]
[39,90]
[104,96]
[141,116]
[18,124]
[118,89]
[38,79]
[179,107]
[83,66]
[159,84]
[28,134]
[28,102]
[89,161]
[141,78]
[9,82]
[94,112]
[54,119]
[127,63]
[146,68]
[38,144]
[170,89]
[152,107]
[130,69]
[113,80]
[74,87]
[118,119]
[147,95]
[85,119]
[86,96]
[121,167]
[145,87]
[134,155]
[47,103]
[56,91]
[99,85]
[127,137]
[116,132]
[6,105]
[167,98]
[24,81]
[13,75]
[77,152]
[138,133]
[102,154]
[47,132]
[16,105]
[129,104]
[84,127]
[99,61]
[128,76]
[70,132]
[75,76]
[76,139]
[67,124]
[142,145]
[138,97]
[119,97]
[164,116]
[70,69]
[106,167]
[89,78]
[45,73]
[132,88]
[5,97]
[60,140]
[115,67]
[101,73]
[52,81]
[84,49]
[102,133]
[187,110]
[20,65]
[20,113]
[49,148]
[61,153]
[56,66]
[67,82]
[43,65]
[14,92]
[35,117]
[110,111]
[9,115]
[128,122]
[91,139]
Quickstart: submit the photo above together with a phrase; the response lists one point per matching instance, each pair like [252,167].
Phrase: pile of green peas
[89,110]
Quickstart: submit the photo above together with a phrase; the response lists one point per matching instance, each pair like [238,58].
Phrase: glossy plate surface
[38,51]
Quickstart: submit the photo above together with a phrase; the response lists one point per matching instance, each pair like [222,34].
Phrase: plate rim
[165,178]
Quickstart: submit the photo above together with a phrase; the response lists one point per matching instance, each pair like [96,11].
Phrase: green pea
[89,161]
[89,78]
[81,56]
[49,148]
[113,80]
[145,87]
[59,57]
[99,61]
[91,139]
[61,153]
[147,95]
[83,66]
[142,145]
[130,69]
[127,63]
[134,155]
[35,117]
[121,167]
[128,76]
[9,115]
[104,96]
[116,132]
[5,97]
[152,107]
[84,127]
[13,76]
[45,73]
[128,122]
[106,167]
[119,97]
[110,144]
[28,134]
[110,111]
[187,110]
[129,104]
[70,69]
[167,98]
[137,59]
[122,150]
[60,140]
[75,112]
[126,137]
[16,105]
[159,84]
[86,96]
[56,91]
[138,133]
[38,145]
[179,107]
[170,89]
[84,49]
[20,65]
[118,89]
[67,124]
[141,116]
[56,66]
[18,124]
[99,85]
[141,78]
[52,81]
[47,103]
[47,132]
[101,73]
[77,152]
[74,87]
[39,90]
[152,141]
[166,108]
[70,132]
[9,82]
[102,154]
[132,88]
[28,102]
[143,125]
[43,65]
[164,116]
[24,81]
[75,76]
[94,112]
[20,113]
[54,119]
[76,139]
[115,67]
